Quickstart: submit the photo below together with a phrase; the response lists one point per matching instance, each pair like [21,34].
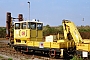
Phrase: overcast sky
[50,12]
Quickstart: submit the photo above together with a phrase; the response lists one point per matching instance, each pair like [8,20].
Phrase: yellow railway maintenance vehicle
[28,36]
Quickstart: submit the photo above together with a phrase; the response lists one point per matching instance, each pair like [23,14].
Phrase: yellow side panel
[33,39]
[82,46]
[55,45]
[36,39]
[30,43]
[47,44]
[36,44]
[33,33]
[39,39]
[40,34]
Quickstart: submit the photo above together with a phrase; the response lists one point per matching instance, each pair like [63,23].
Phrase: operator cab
[27,31]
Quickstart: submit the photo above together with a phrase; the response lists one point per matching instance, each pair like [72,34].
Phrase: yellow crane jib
[70,29]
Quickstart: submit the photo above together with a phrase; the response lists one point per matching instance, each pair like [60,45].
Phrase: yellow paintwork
[36,44]
[40,34]
[86,40]
[69,27]
[65,44]
[83,47]
[21,35]
[47,44]
[33,34]
[55,45]
[30,43]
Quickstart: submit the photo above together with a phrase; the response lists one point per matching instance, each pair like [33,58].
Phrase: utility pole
[83,19]
[83,22]
[29,9]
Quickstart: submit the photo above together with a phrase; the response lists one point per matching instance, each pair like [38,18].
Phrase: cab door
[39,31]
[33,31]
[17,30]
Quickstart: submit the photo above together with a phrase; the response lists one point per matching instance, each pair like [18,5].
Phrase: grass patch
[1,57]
[10,59]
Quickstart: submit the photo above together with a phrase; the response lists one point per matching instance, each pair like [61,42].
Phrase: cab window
[33,25]
[28,25]
[39,26]
[17,25]
[24,25]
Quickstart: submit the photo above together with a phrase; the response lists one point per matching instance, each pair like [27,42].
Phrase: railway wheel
[52,53]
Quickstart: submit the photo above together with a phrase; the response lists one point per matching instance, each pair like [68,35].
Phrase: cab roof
[28,21]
